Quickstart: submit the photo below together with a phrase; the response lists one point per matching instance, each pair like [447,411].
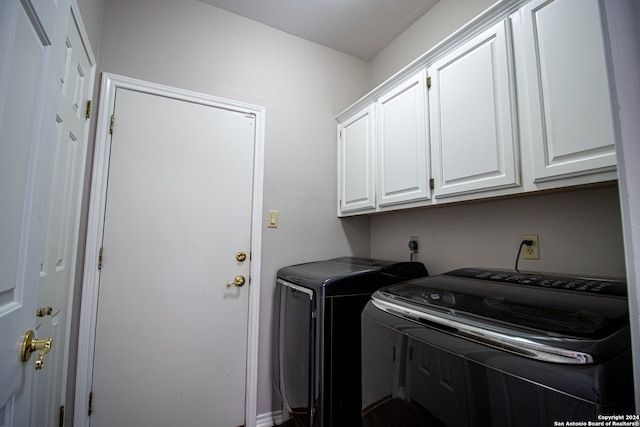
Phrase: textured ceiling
[361,28]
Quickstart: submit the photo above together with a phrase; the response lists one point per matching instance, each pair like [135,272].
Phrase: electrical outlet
[533,251]
[414,239]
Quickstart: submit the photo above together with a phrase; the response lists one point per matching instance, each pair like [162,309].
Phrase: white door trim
[89,302]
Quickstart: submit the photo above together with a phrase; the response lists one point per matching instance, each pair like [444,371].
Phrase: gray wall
[579,232]
[443,19]
[91,12]
[303,86]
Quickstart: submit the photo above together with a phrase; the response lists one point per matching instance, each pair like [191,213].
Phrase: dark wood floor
[296,421]
[398,413]
[387,413]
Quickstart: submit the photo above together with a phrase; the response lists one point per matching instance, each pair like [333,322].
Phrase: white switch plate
[272,220]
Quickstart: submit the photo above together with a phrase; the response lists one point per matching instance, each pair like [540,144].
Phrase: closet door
[59,258]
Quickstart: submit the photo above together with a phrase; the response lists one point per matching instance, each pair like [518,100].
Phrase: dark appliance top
[560,282]
[554,317]
[348,275]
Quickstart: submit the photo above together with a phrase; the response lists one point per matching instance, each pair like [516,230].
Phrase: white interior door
[171,335]
[29,39]
[57,268]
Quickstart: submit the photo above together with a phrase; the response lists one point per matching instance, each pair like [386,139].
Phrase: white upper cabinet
[356,183]
[472,116]
[567,89]
[519,101]
[402,161]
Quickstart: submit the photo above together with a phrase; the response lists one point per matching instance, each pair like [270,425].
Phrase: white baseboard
[269,419]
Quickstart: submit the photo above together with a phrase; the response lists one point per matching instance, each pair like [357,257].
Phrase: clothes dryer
[317,334]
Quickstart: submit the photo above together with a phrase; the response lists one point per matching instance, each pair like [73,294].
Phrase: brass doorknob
[238,281]
[30,344]
[241,256]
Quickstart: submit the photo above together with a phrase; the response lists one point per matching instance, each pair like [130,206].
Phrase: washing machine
[317,334]
[487,347]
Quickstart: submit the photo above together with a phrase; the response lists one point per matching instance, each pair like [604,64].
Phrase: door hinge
[113,120]
[88,115]
[90,404]
[61,417]
[432,184]
[429,82]
[100,260]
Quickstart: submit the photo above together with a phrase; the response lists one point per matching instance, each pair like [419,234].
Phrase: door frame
[97,204]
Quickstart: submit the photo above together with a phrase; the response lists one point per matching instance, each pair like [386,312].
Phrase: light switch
[272,221]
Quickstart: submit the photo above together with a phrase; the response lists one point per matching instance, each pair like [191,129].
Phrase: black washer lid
[349,275]
[585,314]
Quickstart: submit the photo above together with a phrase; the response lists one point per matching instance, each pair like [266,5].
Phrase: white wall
[194,46]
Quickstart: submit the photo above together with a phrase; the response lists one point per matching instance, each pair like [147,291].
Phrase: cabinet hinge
[100,260]
[88,115]
[429,82]
[113,120]
[61,417]
[90,404]
[432,184]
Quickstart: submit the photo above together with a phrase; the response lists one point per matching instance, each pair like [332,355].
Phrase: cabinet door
[356,190]
[402,143]
[567,88]
[472,123]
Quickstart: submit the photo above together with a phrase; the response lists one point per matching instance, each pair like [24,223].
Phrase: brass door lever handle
[238,281]
[30,344]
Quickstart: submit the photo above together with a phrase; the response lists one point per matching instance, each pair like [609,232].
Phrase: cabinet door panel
[402,143]
[355,177]
[471,110]
[568,88]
